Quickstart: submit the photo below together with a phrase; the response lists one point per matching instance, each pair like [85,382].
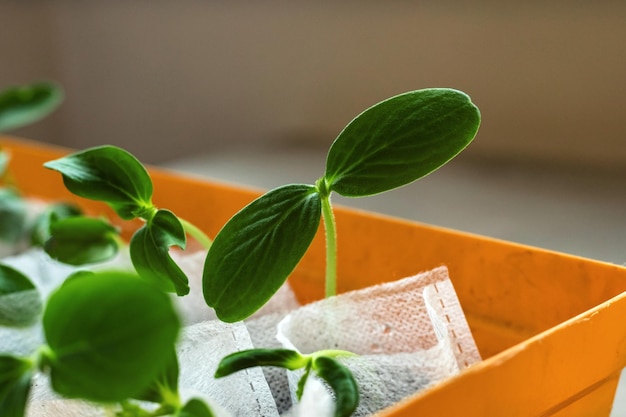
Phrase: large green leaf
[12,216]
[111,174]
[80,240]
[26,104]
[109,335]
[400,140]
[343,384]
[20,302]
[149,249]
[15,377]
[254,253]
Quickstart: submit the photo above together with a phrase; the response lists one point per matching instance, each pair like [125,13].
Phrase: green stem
[197,234]
[331,246]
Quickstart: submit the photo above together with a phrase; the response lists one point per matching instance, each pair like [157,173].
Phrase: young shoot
[111,174]
[323,363]
[391,144]
[109,337]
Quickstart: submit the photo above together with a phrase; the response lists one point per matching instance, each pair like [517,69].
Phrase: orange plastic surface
[550,327]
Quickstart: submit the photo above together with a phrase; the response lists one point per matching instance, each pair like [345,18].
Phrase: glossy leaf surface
[282,358]
[12,216]
[79,240]
[400,140]
[109,335]
[149,249]
[15,377]
[20,302]
[254,253]
[26,104]
[108,173]
[340,379]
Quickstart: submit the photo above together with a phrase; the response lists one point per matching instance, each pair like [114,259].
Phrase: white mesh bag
[408,334]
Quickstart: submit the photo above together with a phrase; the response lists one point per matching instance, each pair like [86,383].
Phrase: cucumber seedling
[387,146]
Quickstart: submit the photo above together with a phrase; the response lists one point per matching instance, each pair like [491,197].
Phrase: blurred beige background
[168,79]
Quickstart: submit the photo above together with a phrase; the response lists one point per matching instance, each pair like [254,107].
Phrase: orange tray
[550,327]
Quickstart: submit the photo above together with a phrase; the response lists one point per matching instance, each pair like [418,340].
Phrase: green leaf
[165,385]
[149,249]
[196,408]
[254,253]
[15,377]
[20,302]
[282,358]
[400,140]
[41,226]
[12,216]
[109,335]
[26,104]
[340,379]
[111,174]
[80,240]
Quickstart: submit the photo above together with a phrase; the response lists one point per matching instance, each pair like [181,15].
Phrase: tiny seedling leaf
[109,335]
[341,381]
[149,248]
[20,302]
[15,380]
[400,140]
[108,173]
[12,216]
[23,105]
[41,226]
[282,358]
[195,408]
[254,253]
[79,240]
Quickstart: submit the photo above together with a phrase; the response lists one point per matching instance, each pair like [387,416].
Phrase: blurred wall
[166,79]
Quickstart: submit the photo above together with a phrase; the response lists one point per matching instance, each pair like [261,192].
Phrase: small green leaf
[196,408]
[41,226]
[282,358]
[400,140]
[80,240]
[26,104]
[340,379]
[12,216]
[165,385]
[111,174]
[149,249]
[109,335]
[20,302]
[15,377]
[254,253]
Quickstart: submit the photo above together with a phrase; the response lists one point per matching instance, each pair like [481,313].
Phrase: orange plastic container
[550,327]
